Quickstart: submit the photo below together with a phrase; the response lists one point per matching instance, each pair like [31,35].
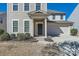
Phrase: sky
[68,8]
[63,7]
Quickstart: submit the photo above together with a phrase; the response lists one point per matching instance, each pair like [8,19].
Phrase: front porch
[39,23]
[39,27]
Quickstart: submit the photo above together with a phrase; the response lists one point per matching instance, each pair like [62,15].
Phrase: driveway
[65,38]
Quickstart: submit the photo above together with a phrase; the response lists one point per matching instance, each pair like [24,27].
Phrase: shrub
[13,36]
[49,39]
[1,31]
[73,32]
[5,37]
[21,36]
[28,36]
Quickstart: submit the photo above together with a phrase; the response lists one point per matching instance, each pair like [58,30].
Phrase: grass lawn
[20,48]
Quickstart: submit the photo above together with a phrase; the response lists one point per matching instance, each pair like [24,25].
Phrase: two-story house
[34,18]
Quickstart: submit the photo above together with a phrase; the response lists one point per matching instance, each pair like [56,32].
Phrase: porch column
[45,28]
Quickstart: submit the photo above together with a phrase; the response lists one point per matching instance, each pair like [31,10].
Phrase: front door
[40,27]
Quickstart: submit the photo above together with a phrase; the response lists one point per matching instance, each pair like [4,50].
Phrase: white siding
[64,17]
[57,18]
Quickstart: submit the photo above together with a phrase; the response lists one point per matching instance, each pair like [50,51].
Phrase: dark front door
[40,29]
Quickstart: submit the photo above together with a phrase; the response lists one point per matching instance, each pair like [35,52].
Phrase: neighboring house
[34,18]
[3,19]
[75,17]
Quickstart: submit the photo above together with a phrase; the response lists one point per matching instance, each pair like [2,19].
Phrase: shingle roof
[44,14]
[62,22]
[2,12]
[52,12]
[38,14]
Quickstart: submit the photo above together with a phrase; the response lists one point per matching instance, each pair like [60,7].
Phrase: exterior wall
[64,17]
[20,7]
[44,6]
[3,24]
[32,7]
[66,30]
[21,15]
[57,18]
[54,29]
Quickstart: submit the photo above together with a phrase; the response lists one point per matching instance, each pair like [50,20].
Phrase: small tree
[70,48]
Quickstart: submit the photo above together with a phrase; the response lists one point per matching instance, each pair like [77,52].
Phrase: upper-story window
[38,6]
[26,6]
[1,20]
[15,6]
[53,16]
[61,16]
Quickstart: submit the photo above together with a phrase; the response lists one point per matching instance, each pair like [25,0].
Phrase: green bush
[21,36]
[5,37]
[1,31]
[13,36]
[73,32]
[28,36]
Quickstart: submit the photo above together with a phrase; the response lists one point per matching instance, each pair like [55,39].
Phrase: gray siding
[3,25]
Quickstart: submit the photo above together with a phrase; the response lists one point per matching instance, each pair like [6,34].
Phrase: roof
[44,14]
[54,12]
[38,14]
[2,12]
[62,22]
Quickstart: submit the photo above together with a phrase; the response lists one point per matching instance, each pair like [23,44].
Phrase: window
[26,26]
[26,6]
[61,16]
[15,6]
[1,20]
[53,16]
[15,26]
[38,6]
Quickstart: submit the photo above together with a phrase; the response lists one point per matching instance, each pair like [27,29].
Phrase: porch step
[40,38]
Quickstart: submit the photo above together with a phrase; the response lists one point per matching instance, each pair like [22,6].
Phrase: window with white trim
[15,6]
[15,26]
[38,6]
[26,6]
[26,26]
[1,20]
[53,17]
[61,16]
